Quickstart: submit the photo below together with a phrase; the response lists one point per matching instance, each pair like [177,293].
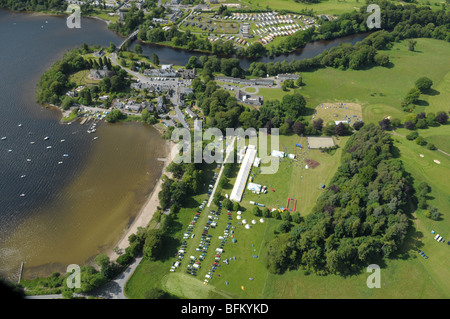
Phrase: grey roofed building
[190,113]
[134,107]
[118,104]
[166,73]
[288,76]
[160,107]
[99,74]
[187,73]
[99,54]
[183,91]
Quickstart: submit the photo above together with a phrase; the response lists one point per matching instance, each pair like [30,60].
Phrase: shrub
[431,147]
[124,259]
[421,141]
[424,84]
[412,136]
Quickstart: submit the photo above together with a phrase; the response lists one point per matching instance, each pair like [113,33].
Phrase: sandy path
[146,213]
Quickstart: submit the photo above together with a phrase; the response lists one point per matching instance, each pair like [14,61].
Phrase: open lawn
[82,78]
[324,7]
[380,90]
[424,169]
[439,136]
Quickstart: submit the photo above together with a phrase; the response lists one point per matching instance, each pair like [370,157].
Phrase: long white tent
[244,171]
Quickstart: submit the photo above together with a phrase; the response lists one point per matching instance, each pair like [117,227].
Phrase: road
[112,290]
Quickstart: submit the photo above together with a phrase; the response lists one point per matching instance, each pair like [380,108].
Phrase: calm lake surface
[74,210]
[71,211]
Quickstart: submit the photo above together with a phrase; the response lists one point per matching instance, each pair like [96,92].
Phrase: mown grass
[381,90]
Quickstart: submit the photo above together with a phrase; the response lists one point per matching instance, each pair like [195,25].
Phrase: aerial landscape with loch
[225,149]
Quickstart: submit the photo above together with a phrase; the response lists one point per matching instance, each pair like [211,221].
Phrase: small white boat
[60,163]
[20,125]
[31,142]
[49,147]
[95,137]
[9,151]
[46,138]
[28,160]
[22,195]
[23,176]
[63,141]
[66,155]
[3,138]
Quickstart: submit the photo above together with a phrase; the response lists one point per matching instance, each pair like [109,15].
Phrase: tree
[153,244]
[412,96]
[412,136]
[424,84]
[441,118]
[298,128]
[192,63]
[421,141]
[112,47]
[357,125]
[284,129]
[299,81]
[381,59]
[385,124]
[318,124]
[138,49]
[409,125]
[227,204]
[285,226]
[256,211]
[155,59]
[411,44]
[340,129]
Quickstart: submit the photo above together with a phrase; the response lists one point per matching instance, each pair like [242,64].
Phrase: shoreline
[146,212]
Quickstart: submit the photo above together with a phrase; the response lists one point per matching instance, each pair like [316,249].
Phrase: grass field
[380,90]
[324,7]
[82,78]
[439,136]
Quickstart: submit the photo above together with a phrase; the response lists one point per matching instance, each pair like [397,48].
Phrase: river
[71,211]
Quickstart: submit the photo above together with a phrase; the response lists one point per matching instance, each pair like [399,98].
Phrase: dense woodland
[357,220]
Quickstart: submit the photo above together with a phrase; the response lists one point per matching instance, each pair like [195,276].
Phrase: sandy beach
[146,213]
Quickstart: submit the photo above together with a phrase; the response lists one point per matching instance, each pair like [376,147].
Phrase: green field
[439,136]
[324,7]
[379,91]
